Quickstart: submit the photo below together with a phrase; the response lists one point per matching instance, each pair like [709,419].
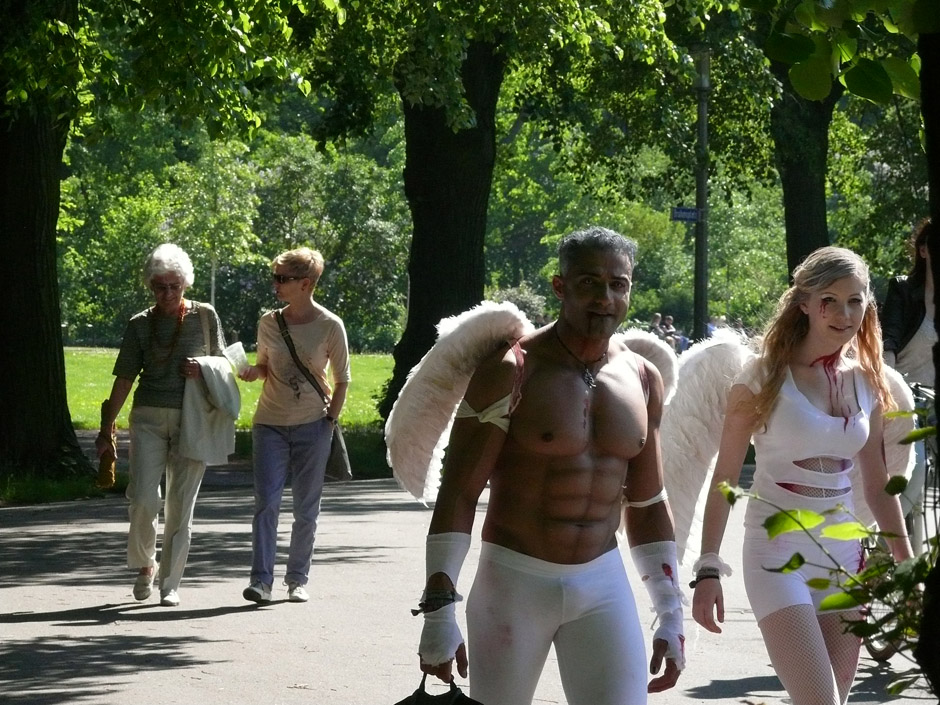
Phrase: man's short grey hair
[594,238]
[169,259]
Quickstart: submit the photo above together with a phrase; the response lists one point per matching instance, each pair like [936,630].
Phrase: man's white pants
[520,606]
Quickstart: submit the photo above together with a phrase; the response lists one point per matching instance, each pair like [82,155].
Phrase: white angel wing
[898,457]
[691,428]
[418,427]
[656,351]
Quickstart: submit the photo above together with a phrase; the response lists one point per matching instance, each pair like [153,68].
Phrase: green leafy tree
[448,61]
[214,206]
[58,60]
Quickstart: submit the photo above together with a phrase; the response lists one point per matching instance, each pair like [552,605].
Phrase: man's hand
[707,603]
[670,675]
[445,671]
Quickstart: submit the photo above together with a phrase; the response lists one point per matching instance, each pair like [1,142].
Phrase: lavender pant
[299,451]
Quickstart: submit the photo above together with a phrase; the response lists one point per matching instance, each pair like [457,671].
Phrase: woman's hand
[104,443]
[190,369]
[250,373]
[707,603]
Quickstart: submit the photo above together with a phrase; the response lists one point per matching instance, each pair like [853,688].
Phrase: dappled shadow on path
[871,685]
[68,670]
[80,543]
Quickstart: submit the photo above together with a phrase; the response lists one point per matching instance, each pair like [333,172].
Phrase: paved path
[71,632]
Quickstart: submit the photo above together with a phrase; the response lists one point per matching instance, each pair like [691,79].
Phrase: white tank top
[797,430]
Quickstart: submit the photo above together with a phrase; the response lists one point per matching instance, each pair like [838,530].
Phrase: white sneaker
[143,585]
[257,592]
[296,593]
[170,598]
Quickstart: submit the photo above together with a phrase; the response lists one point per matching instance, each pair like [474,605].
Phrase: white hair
[169,259]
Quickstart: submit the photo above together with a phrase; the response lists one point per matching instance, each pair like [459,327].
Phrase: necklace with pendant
[586,374]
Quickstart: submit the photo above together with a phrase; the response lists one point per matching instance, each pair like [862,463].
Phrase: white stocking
[843,648]
[800,655]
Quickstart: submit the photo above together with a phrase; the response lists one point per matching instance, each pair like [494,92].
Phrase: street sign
[689,215]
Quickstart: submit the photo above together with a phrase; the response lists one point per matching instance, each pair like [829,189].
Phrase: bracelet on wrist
[331,419]
[700,577]
[433,600]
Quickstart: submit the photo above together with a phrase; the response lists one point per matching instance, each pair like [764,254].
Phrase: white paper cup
[236,355]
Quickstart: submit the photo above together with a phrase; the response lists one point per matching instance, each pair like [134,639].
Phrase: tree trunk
[447,179]
[927,651]
[800,130]
[36,433]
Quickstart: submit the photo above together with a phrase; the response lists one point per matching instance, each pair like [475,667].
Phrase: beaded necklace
[176,331]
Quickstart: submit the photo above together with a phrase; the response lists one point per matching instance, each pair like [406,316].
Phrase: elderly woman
[293,424]
[160,346]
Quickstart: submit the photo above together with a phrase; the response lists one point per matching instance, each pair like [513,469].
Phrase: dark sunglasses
[284,278]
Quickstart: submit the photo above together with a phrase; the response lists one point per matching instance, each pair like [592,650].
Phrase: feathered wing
[899,457]
[418,427]
[691,429]
[657,352]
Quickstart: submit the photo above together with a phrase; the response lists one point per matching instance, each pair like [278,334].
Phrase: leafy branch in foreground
[895,586]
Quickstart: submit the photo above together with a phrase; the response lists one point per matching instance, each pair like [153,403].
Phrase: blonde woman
[813,401]
[293,426]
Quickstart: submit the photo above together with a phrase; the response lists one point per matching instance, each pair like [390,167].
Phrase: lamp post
[702,85]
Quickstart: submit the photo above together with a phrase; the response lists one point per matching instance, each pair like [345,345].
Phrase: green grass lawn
[89,379]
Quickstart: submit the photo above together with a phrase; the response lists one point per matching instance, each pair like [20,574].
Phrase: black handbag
[454,696]
[337,465]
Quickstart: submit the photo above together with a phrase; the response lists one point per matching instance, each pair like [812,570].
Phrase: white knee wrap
[656,563]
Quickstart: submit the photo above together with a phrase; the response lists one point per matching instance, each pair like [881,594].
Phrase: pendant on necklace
[588,378]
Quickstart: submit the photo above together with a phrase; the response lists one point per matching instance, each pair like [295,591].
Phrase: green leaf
[812,79]
[846,531]
[845,600]
[919,434]
[795,563]
[790,521]
[789,48]
[818,583]
[732,494]
[903,77]
[869,79]
[760,5]
[896,485]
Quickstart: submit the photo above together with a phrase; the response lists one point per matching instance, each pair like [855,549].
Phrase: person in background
[160,349]
[293,426]
[909,335]
[813,400]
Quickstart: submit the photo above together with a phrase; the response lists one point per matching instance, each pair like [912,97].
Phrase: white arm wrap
[660,496]
[656,562]
[445,553]
[440,637]
[712,561]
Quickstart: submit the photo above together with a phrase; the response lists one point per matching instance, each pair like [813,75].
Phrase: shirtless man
[578,450]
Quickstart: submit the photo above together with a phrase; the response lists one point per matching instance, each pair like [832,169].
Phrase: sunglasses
[284,278]
[166,288]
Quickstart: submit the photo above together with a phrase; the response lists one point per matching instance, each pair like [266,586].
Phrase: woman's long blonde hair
[789,325]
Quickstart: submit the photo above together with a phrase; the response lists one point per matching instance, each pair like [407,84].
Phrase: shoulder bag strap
[204,319]
[285,333]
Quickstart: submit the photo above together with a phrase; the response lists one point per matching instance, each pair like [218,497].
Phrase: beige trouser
[154,434]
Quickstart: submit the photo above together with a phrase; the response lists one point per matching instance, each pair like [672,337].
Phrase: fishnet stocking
[812,656]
